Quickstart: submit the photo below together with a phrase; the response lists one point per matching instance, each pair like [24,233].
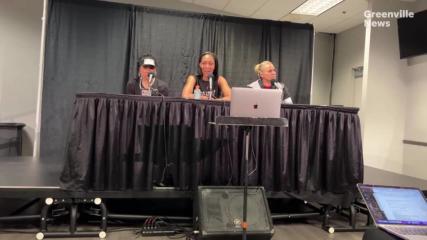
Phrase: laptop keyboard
[409,230]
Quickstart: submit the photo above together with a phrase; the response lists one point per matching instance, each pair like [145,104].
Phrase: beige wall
[20,25]
[394,95]
[322,68]
[349,45]
[415,157]
[420,5]
[384,112]
[416,114]
[391,96]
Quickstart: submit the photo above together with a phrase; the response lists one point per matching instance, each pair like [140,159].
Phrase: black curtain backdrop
[93,46]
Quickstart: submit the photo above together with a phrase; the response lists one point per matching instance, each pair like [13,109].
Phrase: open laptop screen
[395,205]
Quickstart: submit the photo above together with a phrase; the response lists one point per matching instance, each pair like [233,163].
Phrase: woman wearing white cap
[147,84]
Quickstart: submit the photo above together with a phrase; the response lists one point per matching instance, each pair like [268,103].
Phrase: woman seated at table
[147,84]
[207,84]
[266,73]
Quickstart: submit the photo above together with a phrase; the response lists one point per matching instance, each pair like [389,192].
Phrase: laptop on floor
[401,211]
[256,103]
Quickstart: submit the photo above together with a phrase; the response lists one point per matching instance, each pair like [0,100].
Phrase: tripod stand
[247,124]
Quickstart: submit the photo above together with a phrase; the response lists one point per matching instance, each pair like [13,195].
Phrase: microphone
[210,85]
[151,76]
[210,81]
[276,83]
[151,79]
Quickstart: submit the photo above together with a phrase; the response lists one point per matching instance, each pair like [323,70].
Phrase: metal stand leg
[73,204]
[369,221]
[326,216]
[352,220]
[352,217]
[73,218]
[43,218]
[104,214]
[247,131]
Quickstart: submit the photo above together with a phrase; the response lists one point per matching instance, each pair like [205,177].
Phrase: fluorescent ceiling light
[315,7]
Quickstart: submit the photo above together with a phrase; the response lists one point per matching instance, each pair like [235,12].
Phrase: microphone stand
[247,132]
[247,124]
[150,79]
[210,87]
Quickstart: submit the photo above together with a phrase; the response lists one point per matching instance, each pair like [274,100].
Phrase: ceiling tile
[244,7]
[217,4]
[298,18]
[353,10]
[345,25]
[332,20]
[276,9]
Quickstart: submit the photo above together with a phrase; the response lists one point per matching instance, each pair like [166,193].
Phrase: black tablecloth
[122,142]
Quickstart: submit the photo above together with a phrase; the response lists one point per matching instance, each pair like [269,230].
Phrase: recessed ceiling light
[315,7]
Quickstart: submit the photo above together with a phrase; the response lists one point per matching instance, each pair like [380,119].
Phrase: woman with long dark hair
[207,84]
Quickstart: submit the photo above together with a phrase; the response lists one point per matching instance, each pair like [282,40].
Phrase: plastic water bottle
[197,92]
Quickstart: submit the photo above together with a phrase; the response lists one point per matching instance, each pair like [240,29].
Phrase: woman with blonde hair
[266,73]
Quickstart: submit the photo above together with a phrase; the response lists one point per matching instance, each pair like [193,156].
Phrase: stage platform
[38,180]
[32,178]
[28,177]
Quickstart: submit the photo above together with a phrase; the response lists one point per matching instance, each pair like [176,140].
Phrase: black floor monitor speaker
[219,213]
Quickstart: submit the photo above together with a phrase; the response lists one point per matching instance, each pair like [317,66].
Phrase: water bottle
[197,92]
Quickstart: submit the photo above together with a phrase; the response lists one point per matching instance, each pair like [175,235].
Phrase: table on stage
[125,143]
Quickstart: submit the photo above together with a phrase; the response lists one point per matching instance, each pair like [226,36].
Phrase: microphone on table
[211,76]
[210,81]
[151,78]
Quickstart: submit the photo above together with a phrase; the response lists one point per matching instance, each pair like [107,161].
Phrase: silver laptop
[401,211]
[258,103]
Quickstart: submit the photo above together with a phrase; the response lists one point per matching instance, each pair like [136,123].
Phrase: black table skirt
[123,142]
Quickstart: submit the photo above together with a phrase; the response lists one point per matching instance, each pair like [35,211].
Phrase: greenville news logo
[380,19]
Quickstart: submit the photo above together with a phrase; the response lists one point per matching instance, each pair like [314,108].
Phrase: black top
[204,86]
[159,88]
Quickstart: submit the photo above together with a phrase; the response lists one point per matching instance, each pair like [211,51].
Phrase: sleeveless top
[204,86]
